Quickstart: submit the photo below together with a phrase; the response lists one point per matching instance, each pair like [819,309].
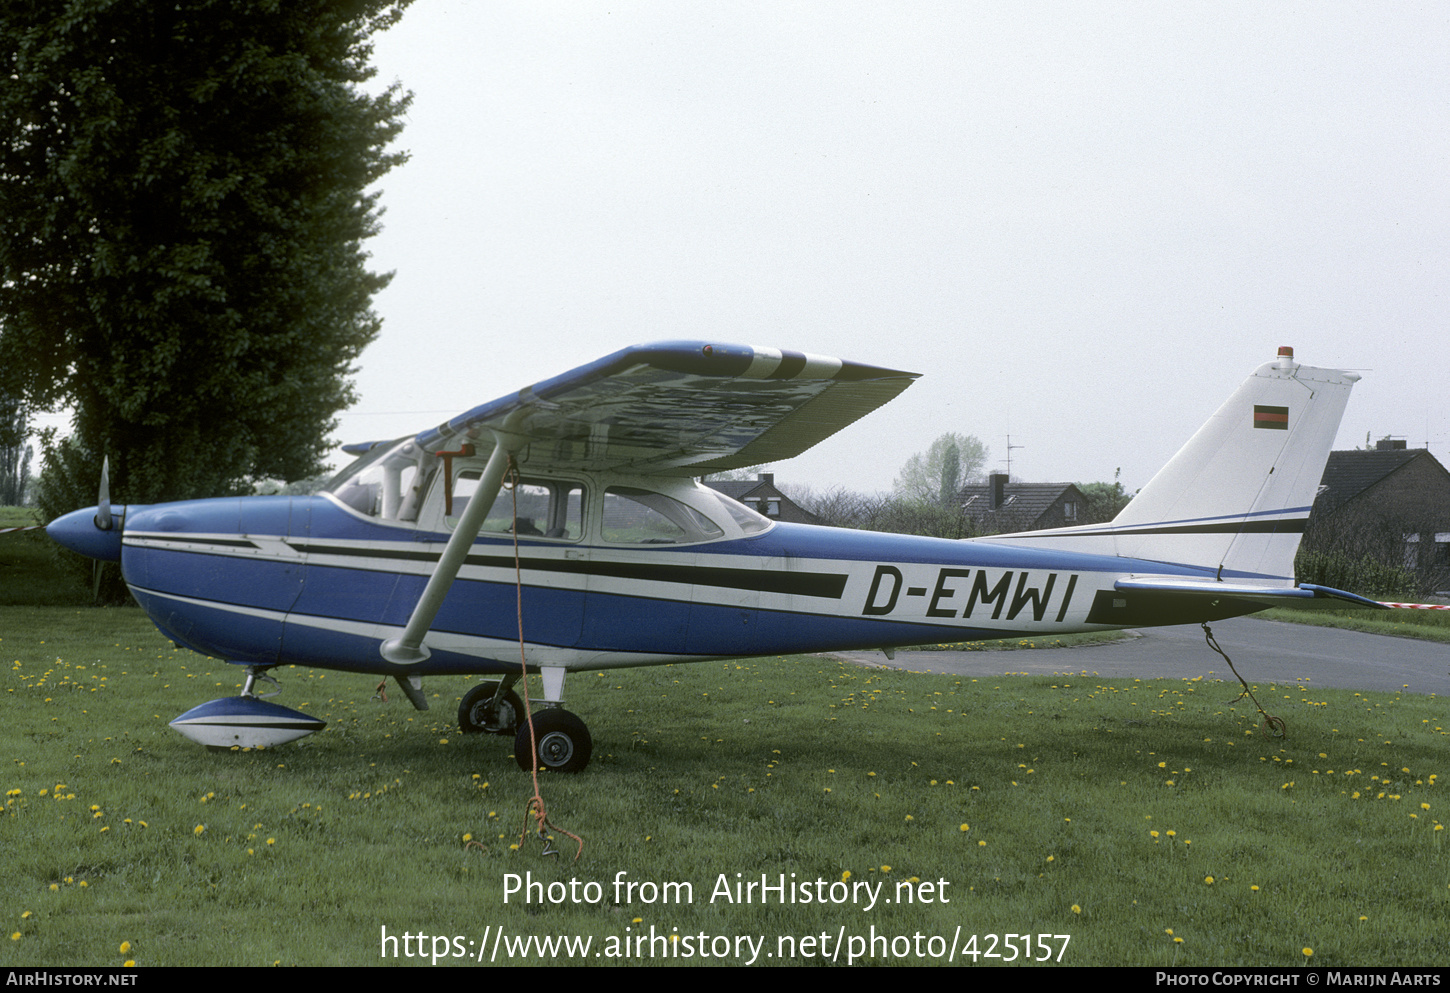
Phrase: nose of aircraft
[80,532]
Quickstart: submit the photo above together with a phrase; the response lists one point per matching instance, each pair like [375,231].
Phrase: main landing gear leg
[559,741]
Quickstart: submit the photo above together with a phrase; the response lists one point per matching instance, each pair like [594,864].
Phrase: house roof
[737,488]
[1020,501]
[1348,474]
[762,495]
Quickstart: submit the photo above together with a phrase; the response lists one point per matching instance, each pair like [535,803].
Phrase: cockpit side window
[538,508]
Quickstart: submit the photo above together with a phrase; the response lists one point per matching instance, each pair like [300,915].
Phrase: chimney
[768,478]
[1389,445]
[998,482]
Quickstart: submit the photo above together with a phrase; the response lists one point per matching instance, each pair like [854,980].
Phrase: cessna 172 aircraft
[404,565]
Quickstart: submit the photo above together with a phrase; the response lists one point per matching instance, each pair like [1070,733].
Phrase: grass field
[1152,822]
[1426,625]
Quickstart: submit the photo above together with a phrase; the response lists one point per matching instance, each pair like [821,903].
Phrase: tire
[564,744]
[474,716]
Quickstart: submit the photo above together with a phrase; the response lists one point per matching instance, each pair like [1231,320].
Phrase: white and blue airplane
[404,565]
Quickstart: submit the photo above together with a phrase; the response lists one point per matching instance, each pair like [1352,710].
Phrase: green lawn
[1427,625]
[1127,814]
[1152,822]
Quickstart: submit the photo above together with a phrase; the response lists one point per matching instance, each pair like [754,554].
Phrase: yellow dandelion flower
[1208,880]
[845,875]
[125,947]
[199,829]
[1307,952]
[1076,909]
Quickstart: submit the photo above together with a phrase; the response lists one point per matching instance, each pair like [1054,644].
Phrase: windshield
[387,482]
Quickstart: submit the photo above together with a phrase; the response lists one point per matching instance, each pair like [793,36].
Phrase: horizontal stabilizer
[1150,601]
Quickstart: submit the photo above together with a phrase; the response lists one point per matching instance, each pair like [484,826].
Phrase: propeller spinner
[92,532]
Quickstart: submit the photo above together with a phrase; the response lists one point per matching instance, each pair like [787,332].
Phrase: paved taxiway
[1263,652]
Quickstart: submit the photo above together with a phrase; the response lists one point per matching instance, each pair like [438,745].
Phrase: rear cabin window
[643,517]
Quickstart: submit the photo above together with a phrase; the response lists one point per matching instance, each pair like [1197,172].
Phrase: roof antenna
[1008,459]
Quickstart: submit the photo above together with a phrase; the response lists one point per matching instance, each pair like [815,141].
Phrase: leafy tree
[184,187]
[951,476]
[842,508]
[925,477]
[1104,500]
[15,454]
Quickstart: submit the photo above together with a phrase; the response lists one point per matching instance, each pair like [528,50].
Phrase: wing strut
[408,647]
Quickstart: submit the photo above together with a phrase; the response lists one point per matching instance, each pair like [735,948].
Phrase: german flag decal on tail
[1274,418]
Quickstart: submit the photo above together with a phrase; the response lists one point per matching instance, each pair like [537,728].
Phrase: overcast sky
[1085,223]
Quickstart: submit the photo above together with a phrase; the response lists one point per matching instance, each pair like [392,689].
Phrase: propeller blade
[103,500]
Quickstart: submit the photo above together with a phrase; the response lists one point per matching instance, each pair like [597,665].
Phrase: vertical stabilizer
[1234,500]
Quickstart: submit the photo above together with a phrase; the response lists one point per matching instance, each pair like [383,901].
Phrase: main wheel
[564,744]
[476,715]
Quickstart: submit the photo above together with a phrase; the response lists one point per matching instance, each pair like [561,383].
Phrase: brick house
[1392,503]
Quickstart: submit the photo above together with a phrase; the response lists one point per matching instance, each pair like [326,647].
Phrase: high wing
[680,408]
[670,409]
